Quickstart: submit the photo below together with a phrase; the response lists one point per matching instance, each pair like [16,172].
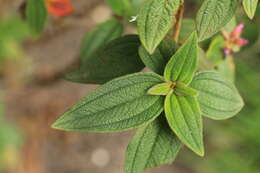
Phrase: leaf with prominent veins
[155,19]
[118,105]
[183,63]
[218,98]
[184,117]
[153,145]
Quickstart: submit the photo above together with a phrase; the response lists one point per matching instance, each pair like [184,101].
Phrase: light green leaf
[152,145]
[204,62]
[215,52]
[183,64]
[182,89]
[184,117]
[158,60]
[187,27]
[161,89]
[227,68]
[120,7]
[218,98]
[102,34]
[36,15]
[117,58]
[155,19]
[213,15]
[250,7]
[118,105]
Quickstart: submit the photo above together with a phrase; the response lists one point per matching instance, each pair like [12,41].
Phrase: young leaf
[102,34]
[153,145]
[155,19]
[118,105]
[161,89]
[183,64]
[117,58]
[158,60]
[213,15]
[250,7]
[218,98]
[36,15]
[184,117]
[182,89]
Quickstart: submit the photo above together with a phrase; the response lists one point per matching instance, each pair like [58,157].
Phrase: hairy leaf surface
[118,105]
[218,98]
[155,19]
[213,15]
[184,117]
[183,63]
[153,145]
[117,58]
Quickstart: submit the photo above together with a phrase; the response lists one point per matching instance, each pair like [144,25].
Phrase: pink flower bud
[241,42]
[237,31]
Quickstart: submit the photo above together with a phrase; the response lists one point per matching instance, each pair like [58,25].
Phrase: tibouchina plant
[186,82]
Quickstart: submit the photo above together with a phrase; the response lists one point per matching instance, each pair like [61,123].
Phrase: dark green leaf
[102,34]
[218,98]
[153,145]
[155,19]
[183,64]
[117,58]
[184,117]
[158,60]
[36,15]
[213,15]
[118,105]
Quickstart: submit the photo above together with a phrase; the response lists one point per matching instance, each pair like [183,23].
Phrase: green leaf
[213,15]
[215,52]
[120,7]
[152,145]
[183,64]
[158,60]
[187,27]
[218,98]
[102,34]
[182,89]
[250,7]
[184,117]
[117,58]
[36,15]
[155,19]
[204,62]
[161,89]
[227,68]
[118,105]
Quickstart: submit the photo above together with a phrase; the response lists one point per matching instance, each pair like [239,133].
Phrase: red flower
[59,7]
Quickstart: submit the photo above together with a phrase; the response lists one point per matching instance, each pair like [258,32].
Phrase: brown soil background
[36,102]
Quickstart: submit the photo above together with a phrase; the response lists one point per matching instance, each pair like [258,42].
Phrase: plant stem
[177,26]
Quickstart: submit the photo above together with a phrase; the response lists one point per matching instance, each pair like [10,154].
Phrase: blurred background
[33,94]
